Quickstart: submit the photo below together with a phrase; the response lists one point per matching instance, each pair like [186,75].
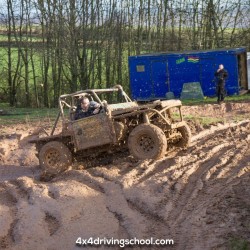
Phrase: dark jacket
[221,76]
[80,113]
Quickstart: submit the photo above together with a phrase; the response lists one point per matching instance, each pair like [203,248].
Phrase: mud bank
[199,197]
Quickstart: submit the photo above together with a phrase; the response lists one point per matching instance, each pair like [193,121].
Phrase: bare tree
[82,44]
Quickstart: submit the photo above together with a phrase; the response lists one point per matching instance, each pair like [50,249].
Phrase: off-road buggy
[145,129]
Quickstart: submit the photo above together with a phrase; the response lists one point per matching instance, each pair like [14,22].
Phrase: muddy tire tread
[64,154]
[156,133]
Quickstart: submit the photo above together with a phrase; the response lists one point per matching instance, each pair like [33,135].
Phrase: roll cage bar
[87,92]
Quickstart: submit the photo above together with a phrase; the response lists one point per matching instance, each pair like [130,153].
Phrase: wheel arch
[39,143]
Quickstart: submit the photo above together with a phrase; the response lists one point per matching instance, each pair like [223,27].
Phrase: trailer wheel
[147,141]
[54,158]
[185,138]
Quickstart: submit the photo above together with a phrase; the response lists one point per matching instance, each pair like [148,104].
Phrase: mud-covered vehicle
[146,129]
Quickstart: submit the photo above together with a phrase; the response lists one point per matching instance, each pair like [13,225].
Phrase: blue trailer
[153,75]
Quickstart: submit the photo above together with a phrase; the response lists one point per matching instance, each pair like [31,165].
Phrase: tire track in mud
[123,210]
[20,197]
[199,197]
[178,193]
[228,166]
[133,219]
[98,182]
[191,182]
[26,218]
[8,217]
[219,157]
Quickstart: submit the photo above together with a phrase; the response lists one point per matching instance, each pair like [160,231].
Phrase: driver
[86,108]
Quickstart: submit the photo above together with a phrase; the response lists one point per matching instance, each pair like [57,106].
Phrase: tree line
[51,47]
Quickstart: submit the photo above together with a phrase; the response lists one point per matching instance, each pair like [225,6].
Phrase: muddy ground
[199,197]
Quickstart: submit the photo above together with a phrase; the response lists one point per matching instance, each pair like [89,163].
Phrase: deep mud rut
[199,197]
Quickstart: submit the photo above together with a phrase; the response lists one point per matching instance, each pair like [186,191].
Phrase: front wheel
[54,157]
[185,136]
[147,141]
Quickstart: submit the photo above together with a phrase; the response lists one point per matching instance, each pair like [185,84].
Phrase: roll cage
[72,100]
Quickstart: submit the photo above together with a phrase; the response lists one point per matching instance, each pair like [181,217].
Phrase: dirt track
[199,197]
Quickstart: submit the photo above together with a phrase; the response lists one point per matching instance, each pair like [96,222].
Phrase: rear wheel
[147,141]
[185,136]
[54,157]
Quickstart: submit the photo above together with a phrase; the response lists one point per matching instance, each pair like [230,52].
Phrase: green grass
[38,59]
[26,115]
[238,244]
[207,100]
[29,115]
[203,120]
[208,120]
[4,38]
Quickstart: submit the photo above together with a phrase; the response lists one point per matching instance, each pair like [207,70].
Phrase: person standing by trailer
[221,75]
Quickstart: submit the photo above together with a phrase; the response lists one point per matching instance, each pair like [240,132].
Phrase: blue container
[153,75]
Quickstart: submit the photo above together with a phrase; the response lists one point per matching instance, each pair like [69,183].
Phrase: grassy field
[29,115]
[39,68]
[26,115]
[235,98]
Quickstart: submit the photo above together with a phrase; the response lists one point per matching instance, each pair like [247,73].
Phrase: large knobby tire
[54,158]
[147,141]
[185,139]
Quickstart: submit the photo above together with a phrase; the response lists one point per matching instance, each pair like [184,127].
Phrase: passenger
[86,108]
[221,75]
